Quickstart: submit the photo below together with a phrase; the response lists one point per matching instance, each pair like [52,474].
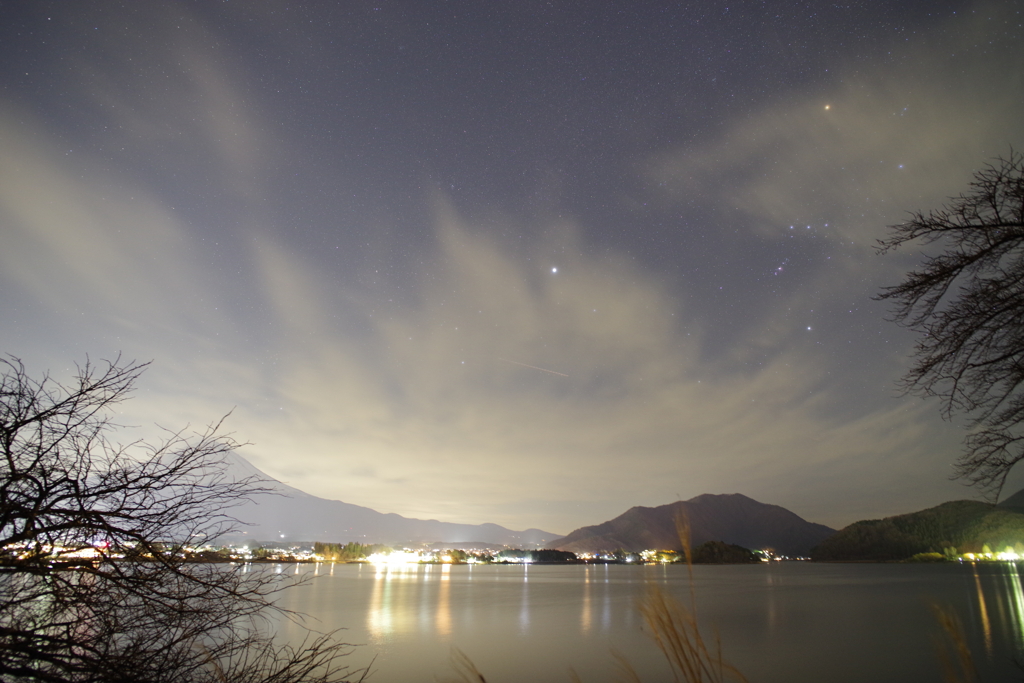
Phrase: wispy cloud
[889,138]
[492,378]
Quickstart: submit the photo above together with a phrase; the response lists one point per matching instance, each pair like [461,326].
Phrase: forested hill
[960,526]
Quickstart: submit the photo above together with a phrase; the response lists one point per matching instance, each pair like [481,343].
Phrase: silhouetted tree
[968,304]
[94,584]
[719,552]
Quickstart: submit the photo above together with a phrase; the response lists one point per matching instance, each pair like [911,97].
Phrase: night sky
[530,263]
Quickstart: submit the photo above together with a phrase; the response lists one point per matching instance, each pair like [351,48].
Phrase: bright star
[554,270]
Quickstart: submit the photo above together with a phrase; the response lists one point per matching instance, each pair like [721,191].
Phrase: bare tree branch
[139,611]
[967,302]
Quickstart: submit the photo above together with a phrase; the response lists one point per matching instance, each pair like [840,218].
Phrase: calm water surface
[784,622]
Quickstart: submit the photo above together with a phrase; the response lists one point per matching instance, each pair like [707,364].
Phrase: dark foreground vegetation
[95,585]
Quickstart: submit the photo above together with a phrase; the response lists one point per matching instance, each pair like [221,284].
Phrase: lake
[779,622]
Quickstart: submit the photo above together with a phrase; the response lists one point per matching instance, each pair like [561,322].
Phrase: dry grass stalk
[628,672]
[957,667]
[676,633]
[465,669]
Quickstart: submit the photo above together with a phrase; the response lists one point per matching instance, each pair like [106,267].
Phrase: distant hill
[963,525]
[1014,501]
[731,518]
[293,515]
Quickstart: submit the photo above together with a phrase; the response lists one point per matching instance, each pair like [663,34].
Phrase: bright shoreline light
[398,557]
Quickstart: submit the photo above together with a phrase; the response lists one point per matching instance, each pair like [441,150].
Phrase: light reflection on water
[779,622]
[585,613]
[524,603]
[1013,579]
[986,626]
[444,603]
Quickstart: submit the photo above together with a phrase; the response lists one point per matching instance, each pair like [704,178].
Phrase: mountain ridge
[731,518]
[286,513]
